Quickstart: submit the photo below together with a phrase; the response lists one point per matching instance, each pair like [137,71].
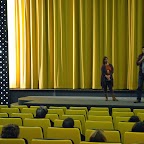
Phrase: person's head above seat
[41,112]
[10,131]
[134,119]
[138,127]
[98,136]
[68,123]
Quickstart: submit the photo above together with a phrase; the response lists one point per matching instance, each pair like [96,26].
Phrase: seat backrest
[20,107]
[77,124]
[121,110]
[54,107]
[37,141]
[97,143]
[136,111]
[79,108]
[98,113]
[120,119]
[1,127]
[30,133]
[3,106]
[141,116]
[5,121]
[11,141]
[125,127]
[52,117]
[43,123]
[29,110]
[3,115]
[76,112]
[99,108]
[60,112]
[133,137]
[99,118]
[121,114]
[77,117]
[104,125]
[35,107]
[111,136]
[64,133]
[22,115]
[9,110]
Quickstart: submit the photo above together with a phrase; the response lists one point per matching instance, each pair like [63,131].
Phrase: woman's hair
[104,59]
[138,127]
[98,136]
[41,112]
[10,131]
[134,119]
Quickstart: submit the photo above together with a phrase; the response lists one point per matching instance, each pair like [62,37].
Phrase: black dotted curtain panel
[4,75]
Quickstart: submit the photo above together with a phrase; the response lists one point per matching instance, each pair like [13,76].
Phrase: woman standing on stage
[107,78]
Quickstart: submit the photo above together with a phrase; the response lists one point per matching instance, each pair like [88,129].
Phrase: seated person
[41,112]
[69,123]
[10,131]
[98,136]
[134,119]
[138,127]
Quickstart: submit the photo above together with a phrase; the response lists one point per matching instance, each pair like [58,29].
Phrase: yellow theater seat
[121,114]
[79,108]
[76,112]
[43,123]
[35,107]
[9,110]
[136,111]
[36,141]
[1,127]
[77,124]
[62,107]
[121,110]
[97,143]
[99,109]
[77,117]
[64,133]
[3,106]
[3,115]
[11,141]
[20,107]
[99,118]
[52,117]
[98,113]
[104,125]
[5,121]
[124,127]
[141,116]
[22,115]
[111,136]
[60,112]
[133,137]
[120,119]
[30,133]
[29,110]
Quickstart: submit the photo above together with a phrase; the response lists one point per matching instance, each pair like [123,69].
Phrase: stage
[87,101]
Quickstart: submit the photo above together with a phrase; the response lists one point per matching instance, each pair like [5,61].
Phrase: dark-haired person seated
[134,119]
[138,127]
[98,136]
[69,123]
[10,131]
[41,113]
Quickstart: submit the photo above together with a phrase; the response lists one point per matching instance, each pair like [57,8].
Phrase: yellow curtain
[61,43]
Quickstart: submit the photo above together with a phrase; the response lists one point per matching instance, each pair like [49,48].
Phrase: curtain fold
[61,43]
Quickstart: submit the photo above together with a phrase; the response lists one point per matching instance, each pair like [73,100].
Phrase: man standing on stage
[140,63]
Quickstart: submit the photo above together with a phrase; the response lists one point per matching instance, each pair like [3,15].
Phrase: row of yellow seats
[30,133]
[42,141]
